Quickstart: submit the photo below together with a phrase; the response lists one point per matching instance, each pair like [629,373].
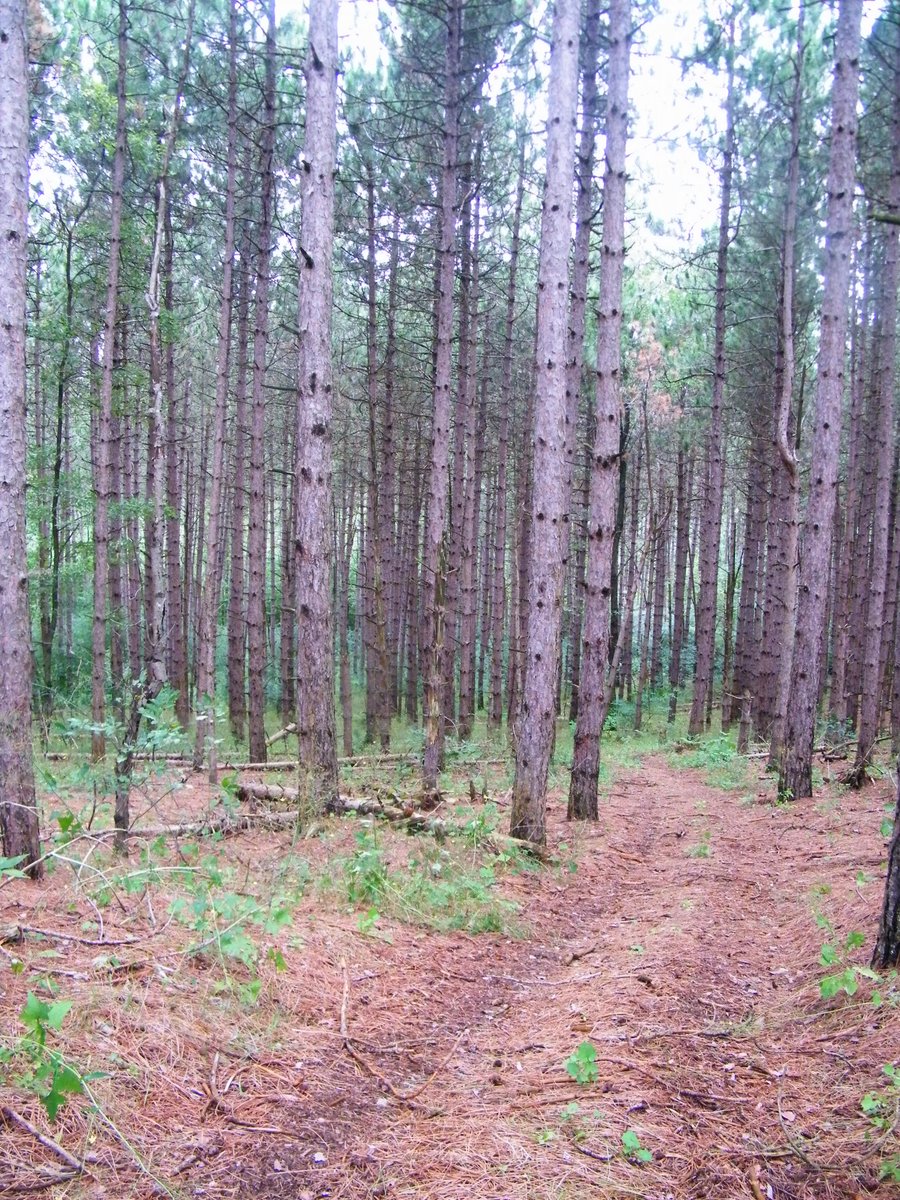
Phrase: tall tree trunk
[787,455]
[209,603]
[584,216]
[711,528]
[237,626]
[607,442]
[101,511]
[433,551]
[469,588]
[315,652]
[728,688]
[174,587]
[682,528]
[288,642]
[795,776]
[380,544]
[747,637]
[462,449]
[256,532]
[848,586]
[870,708]
[498,598]
[18,811]
[551,437]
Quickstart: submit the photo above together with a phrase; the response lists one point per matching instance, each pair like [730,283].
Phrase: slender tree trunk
[413,585]
[462,448]
[795,776]
[237,625]
[256,532]
[728,689]
[604,484]
[711,528]
[174,589]
[847,585]
[785,444]
[870,708]
[887,944]
[747,638]
[209,602]
[469,589]
[379,542]
[551,437]
[498,599]
[433,551]
[101,511]
[315,654]
[18,810]
[682,528]
[584,217]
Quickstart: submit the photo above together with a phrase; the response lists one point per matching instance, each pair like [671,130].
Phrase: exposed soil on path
[684,948]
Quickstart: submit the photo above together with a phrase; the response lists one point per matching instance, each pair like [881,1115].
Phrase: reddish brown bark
[18,811]
[551,436]
[313,538]
[433,551]
[711,526]
[103,484]
[795,776]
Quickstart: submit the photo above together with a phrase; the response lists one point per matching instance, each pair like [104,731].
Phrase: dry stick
[70,937]
[29,1189]
[10,1115]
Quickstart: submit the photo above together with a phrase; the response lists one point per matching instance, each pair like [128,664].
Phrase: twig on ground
[13,1118]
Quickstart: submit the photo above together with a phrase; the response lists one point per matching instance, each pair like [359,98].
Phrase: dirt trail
[697,982]
[684,948]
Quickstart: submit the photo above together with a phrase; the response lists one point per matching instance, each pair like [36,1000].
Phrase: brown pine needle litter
[372,1057]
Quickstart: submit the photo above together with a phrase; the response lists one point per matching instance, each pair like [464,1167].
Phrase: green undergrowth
[443,884]
[717,757]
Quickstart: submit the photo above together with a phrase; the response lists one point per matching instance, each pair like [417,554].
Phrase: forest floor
[363,1013]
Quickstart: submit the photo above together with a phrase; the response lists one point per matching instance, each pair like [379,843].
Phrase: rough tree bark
[785,444]
[256,525]
[795,776]
[498,593]
[101,507]
[605,470]
[551,435]
[18,813]
[209,603]
[433,551]
[887,943]
[870,707]
[711,528]
[237,626]
[313,541]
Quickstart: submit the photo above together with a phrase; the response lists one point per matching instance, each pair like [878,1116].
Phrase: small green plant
[883,1111]
[846,978]
[582,1064]
[366,872]
[9,868]
[233,926]
[702,849]
[632,1148]
[46,1072]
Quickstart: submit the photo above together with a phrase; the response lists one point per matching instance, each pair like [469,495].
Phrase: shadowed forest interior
[445,520]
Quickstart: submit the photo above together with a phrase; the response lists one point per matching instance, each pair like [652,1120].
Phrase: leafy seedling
[582,1064]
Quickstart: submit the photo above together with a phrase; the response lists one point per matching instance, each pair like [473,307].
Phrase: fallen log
[281,735]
